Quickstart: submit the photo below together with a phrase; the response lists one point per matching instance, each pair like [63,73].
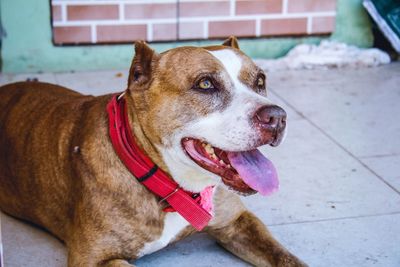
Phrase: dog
[194,115]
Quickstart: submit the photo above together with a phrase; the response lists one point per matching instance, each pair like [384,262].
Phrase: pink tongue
[257,171]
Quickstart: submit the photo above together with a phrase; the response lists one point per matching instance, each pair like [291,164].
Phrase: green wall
[28,47]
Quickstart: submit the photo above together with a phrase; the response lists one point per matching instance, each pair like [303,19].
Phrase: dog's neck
[140,137]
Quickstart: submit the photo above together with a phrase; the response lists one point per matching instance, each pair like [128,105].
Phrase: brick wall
[120,21]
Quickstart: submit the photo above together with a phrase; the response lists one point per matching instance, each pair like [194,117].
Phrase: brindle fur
[86,197]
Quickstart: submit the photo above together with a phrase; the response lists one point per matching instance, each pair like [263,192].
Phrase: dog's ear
[232,42]
[141,69]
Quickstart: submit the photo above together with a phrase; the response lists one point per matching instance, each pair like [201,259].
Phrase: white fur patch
[232,64]
[173,225]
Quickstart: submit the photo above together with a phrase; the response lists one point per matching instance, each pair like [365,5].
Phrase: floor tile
[366,242]
[28,246]
[357,107]
[388,167]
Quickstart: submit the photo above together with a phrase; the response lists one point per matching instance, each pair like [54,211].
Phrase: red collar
[153,178]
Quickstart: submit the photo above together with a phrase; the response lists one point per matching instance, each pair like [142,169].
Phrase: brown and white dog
[198,113]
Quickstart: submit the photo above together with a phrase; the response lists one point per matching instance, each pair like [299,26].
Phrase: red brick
[323,24]
[56,13]
[284,26]
[226,28]
[204,9]
[150,11]
[71,35]
[248,7]
[121,33]
[164,32]
[311,5]
[191,30]
[92,12]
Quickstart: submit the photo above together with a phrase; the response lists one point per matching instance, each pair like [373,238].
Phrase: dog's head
[206,111]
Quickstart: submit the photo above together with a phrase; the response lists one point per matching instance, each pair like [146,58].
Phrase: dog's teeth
[229,166]
[209,149]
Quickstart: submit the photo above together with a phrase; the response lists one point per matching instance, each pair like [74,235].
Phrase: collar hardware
[169,195]
[121,96]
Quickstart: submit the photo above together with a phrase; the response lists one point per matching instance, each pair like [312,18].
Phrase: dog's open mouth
[246,172]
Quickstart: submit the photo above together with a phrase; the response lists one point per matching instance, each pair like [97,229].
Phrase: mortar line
[284,6]
[232,8]
[336,142]
[336,219]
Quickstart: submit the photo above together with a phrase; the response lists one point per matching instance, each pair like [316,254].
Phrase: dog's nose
[271,117]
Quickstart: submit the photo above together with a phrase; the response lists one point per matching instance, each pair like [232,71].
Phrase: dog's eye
[260,82]
[205,84]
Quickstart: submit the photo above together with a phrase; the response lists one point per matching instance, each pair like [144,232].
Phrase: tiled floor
[339,202]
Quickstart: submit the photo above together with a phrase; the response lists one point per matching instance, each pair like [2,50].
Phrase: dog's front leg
[248,238]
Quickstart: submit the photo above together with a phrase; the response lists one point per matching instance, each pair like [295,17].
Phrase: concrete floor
[339,202]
